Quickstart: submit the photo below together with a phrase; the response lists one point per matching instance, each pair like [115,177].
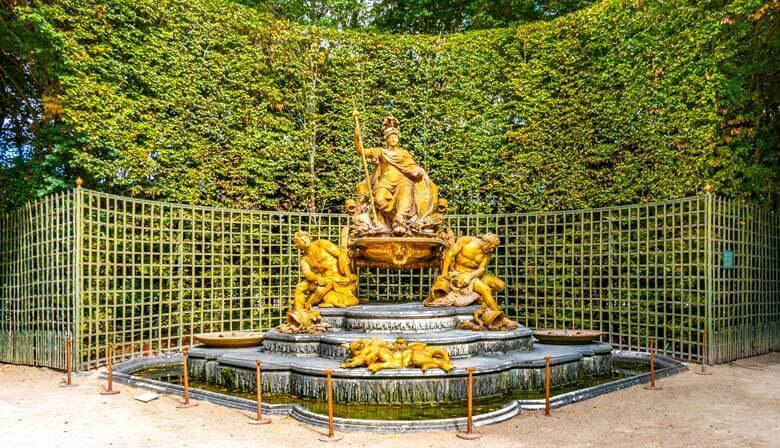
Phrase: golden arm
[343,260]
[483,265]
[308,274]
[449,256]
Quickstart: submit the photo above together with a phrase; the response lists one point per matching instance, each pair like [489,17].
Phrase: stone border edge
[123,374]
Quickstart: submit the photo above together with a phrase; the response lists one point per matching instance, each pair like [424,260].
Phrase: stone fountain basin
[306,376]
[124,373]
[503,361]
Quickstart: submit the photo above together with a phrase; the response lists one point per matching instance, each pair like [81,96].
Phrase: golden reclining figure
[376,355]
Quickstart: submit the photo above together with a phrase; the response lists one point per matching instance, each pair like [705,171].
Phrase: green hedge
[211,102]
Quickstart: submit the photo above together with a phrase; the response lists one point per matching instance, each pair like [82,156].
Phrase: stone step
[458,343]
[397,318]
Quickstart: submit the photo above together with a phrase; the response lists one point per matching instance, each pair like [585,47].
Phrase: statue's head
[441,207]
[490,241]
[393,139]
[391,129]
[351,206]
[302,240]
[355,346]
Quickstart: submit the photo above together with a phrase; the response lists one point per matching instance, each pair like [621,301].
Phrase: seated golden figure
[376,355]
[328,281]
[399,198]
[464,280]
[397,217]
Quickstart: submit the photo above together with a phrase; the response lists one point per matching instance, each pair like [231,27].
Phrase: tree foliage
[432,16]
[416,16]
[32,134]
[214,102]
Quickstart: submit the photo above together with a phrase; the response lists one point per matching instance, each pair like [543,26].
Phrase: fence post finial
[708,188]
[79,182]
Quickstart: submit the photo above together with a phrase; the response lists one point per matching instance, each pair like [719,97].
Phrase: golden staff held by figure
[359,144]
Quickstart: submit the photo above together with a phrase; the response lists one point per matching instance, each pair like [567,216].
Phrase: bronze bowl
[230,339]
[555,336]
[397,252]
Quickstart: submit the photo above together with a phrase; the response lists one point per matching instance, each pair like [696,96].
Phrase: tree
[417,16]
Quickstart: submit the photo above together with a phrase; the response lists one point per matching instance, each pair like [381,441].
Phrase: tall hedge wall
[211,102]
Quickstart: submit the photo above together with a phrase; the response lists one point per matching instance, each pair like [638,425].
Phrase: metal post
[547,385]
[68,354]
[470,394]
[110,368]
[652,385]
[259,419]
[470,433]
[186,403]
[709,259]
[703,355]
[331,437]
[78,265]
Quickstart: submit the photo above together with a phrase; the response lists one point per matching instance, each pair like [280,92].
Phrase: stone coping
[459,343]
[123,374]
[433,338]
[408,318]
[316,366]
[411,310]
[592,349]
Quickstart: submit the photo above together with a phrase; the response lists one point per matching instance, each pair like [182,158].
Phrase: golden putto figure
[327,281]
[399,198]
[376,355]
[464,280]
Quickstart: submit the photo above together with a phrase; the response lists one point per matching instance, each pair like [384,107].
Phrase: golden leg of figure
[493,282]
[319,293]
[486,294]
[299,296]
[404,202]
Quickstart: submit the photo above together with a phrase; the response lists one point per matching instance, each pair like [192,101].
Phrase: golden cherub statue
[327,281]
[464,280]
[376,355]
[399,198]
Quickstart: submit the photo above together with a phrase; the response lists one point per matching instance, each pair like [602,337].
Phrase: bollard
[331,437]
[259,419]
[547,385]
[68,355]
[186,403]
[470,434]
[110,367]
[652,385]
[703,354]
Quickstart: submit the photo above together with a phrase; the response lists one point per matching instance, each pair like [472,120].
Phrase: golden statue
[328,281]
[464,280]
[399,198]
[376,355]
[397,217]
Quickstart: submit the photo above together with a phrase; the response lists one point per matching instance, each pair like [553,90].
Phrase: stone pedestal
[503,361]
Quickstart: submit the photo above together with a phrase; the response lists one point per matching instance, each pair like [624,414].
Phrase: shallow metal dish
[555,336]
[230,338]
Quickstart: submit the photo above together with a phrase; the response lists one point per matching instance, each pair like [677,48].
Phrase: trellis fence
[146,276]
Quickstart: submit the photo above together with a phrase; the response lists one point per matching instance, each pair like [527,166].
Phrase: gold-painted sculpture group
[397,215]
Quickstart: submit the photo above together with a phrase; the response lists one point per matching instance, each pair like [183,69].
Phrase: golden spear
[359,145]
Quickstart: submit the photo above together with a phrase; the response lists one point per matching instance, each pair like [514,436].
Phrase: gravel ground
[739,405]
